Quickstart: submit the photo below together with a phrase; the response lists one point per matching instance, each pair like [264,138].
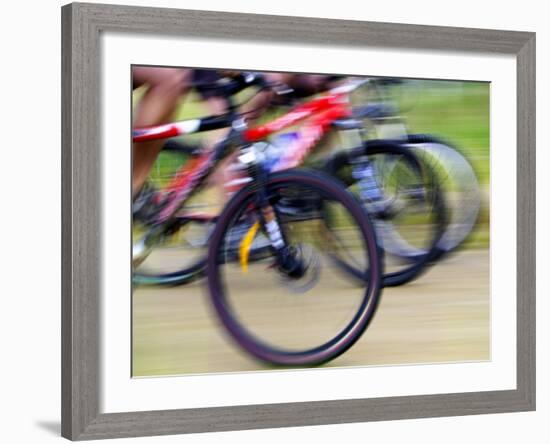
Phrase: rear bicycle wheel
[175,257]
[289,317]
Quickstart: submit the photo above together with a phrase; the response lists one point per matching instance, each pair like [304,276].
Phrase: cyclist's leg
[165,89]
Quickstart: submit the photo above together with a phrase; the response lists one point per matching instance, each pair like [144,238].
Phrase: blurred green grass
[458,112]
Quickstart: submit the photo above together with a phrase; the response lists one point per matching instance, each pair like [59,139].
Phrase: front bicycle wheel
[405,202]
[459,182]
[308,313]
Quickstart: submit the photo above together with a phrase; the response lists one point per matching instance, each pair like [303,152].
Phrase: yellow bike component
[244,248]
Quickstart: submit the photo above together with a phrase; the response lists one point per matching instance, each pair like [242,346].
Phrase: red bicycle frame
[316,114]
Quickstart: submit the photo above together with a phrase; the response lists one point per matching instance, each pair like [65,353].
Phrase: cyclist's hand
[229,72]
[258,105]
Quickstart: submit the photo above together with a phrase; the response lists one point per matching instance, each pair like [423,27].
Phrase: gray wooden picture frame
[81,231]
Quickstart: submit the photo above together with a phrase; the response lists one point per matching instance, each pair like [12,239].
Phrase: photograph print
[298,220]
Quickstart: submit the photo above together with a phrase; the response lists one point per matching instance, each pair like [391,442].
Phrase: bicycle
[296,239]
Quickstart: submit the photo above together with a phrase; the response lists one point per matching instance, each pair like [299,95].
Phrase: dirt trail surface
[443,316]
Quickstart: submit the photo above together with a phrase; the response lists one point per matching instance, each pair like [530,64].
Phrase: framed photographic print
[277,221]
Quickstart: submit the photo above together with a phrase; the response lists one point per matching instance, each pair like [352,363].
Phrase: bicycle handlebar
[229,86]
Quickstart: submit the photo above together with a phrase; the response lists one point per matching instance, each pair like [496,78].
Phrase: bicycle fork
[288,259]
